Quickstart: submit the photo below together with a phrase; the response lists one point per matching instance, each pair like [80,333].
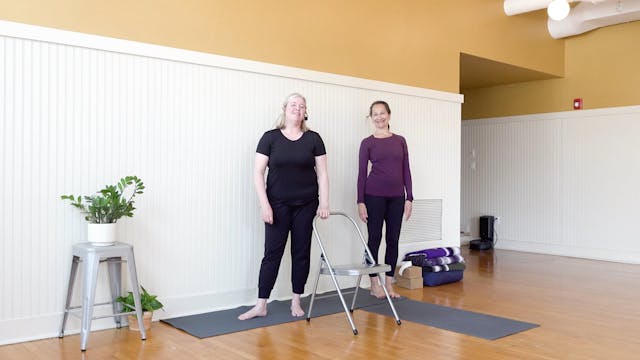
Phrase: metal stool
[91,257]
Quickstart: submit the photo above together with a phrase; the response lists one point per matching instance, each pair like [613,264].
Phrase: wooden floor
[586,310]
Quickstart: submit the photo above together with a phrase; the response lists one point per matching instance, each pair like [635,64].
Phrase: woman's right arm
[261,190]
[363,163]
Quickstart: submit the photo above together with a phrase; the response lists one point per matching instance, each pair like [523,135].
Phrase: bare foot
[376,288]
[259,310]
[391,291]
[296,309]
[389,285]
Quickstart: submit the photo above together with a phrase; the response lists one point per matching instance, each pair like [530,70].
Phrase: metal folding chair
[368,266]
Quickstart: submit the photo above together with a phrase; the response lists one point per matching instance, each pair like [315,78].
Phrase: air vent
[425,223]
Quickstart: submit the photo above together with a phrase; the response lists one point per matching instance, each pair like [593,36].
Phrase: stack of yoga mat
[439,265]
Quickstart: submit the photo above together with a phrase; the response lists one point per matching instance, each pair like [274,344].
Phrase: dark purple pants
[387,210]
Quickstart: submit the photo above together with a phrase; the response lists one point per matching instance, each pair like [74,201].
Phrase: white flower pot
[101,234]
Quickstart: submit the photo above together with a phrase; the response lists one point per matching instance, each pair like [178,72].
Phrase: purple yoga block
[442,277]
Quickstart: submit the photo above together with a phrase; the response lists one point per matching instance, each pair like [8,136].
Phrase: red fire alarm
[577,104]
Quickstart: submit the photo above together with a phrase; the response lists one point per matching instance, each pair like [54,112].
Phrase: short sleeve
[318,147]
[264,145]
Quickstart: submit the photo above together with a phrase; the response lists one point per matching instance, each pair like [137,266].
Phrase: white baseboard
[48,325]
[466,239]
[629,257]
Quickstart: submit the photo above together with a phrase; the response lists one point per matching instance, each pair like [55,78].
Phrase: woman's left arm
[323,186]
[408,204]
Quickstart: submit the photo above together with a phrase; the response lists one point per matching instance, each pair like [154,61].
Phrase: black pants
[388,210]
[297,219]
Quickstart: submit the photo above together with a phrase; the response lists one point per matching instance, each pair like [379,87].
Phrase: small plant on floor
[149,302]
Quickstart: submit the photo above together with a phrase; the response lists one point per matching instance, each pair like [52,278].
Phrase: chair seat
[356,269]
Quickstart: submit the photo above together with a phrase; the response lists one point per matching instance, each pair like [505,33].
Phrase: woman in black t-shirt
[297,189]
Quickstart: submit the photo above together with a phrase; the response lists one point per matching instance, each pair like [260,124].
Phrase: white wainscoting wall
[78,112]
[563,183]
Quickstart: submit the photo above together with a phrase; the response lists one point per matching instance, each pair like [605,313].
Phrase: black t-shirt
[292,175]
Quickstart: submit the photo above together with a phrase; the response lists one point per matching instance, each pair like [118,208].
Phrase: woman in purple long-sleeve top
[385,194]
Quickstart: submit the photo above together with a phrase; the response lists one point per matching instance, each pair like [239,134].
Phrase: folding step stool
[368,266]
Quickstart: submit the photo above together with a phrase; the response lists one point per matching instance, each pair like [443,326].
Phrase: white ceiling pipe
[515,7]
[586,17]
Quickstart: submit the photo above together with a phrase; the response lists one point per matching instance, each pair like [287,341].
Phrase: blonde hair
[280,122]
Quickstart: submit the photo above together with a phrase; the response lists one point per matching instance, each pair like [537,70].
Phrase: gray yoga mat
[461,321]
[226,321]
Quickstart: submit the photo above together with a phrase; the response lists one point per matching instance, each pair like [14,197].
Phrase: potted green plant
[149,303]
[103,209]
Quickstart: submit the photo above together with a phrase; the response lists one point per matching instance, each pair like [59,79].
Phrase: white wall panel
[602,176]
[562,183]
[79,111]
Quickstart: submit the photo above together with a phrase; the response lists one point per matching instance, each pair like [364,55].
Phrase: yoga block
[439,278]
[409,283]
[412,272]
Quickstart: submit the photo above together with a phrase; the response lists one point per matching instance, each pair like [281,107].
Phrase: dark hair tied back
[379,102]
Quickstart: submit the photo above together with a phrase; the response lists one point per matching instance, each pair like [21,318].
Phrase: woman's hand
[267,214]
[408,205]
[323,187]
[323,212]
[258,181]
[362,211]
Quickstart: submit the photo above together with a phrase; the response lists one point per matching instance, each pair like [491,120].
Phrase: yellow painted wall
[602,68]
[412,42]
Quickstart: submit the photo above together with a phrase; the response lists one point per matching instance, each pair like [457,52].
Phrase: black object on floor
[461,321]
[480,244]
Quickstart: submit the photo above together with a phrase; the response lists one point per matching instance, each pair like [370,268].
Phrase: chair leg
[344,304]
[315,288]
[386,293]
[90,265]
[115,278]
[131,263]
[355,293]
[72,278]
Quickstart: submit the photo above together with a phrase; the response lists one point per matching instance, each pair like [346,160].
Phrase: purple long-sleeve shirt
[390,175]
